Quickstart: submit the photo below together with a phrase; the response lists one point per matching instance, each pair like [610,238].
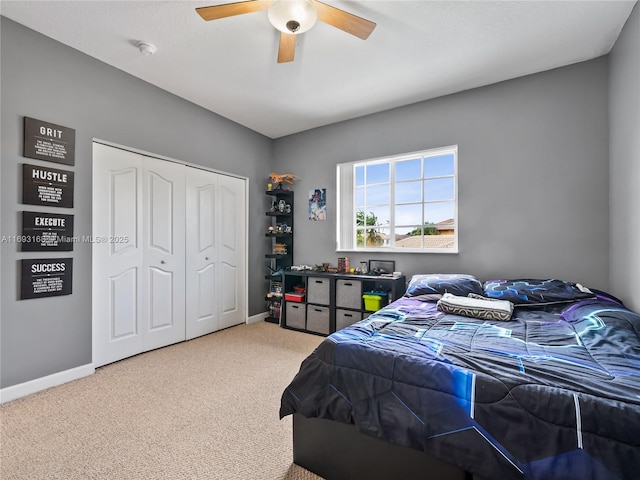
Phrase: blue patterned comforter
[552,394]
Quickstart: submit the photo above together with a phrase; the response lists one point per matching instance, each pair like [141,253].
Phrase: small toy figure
[275,271]
[279,178]
[280,248]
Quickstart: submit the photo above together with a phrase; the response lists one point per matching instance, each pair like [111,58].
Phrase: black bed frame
[337,451]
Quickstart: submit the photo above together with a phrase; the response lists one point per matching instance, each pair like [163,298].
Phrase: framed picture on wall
[48,141]
[45,277]
[47,186]
[318,204]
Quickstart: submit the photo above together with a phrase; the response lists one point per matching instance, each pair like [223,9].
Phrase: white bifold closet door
[156,280]
[215,252]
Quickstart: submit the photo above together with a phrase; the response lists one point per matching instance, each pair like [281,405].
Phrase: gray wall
[533,175]
[49,81]
[624,151]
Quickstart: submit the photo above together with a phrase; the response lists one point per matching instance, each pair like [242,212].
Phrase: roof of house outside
[447,224]
[430,241]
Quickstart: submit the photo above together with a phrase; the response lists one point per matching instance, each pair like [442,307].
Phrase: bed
[546,385]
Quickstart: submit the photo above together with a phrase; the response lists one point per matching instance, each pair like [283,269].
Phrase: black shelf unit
[281,215]
[333,300]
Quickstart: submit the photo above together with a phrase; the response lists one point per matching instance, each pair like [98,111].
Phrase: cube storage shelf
[334,300]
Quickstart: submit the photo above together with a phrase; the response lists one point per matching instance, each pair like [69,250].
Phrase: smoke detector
[146,48]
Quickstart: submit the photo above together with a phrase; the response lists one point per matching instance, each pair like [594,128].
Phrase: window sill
[399,250]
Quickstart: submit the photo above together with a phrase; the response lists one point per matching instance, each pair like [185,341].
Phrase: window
[399,203]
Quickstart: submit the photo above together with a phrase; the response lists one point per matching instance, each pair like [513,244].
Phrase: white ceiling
[419,50]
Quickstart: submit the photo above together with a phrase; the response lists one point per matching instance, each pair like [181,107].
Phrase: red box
[294,297]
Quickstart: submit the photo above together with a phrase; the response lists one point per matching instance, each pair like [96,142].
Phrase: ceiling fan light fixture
[292,16]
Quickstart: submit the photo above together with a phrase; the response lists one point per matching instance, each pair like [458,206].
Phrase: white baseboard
[27,388]
[257,318]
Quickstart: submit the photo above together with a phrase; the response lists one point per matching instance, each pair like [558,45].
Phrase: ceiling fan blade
[287,47]
[344,21]
[215,12]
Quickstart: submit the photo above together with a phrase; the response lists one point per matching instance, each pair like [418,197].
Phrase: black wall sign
[47,186]
[49,277]
[48,141]
[46,232]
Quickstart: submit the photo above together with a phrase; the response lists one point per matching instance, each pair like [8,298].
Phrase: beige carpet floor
[202,409]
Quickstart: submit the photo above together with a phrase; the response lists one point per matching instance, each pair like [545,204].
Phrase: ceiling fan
[293,17]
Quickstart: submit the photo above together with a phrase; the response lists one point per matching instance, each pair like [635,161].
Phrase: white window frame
[345,202]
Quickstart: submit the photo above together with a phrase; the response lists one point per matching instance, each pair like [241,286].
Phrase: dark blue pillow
[529,291]
[441,283]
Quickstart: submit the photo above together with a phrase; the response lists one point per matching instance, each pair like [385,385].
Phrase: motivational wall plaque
[48,141]
[49,277]
[47,186]
[46,232]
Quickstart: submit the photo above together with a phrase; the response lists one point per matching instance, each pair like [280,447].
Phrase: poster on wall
[318,204]
[47,186]
[46,232]
[48,141]
[49,277]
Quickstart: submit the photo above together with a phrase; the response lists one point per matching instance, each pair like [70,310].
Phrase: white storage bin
[295,315]
[344,318]
[349,293]
[318,290]
[318,319]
